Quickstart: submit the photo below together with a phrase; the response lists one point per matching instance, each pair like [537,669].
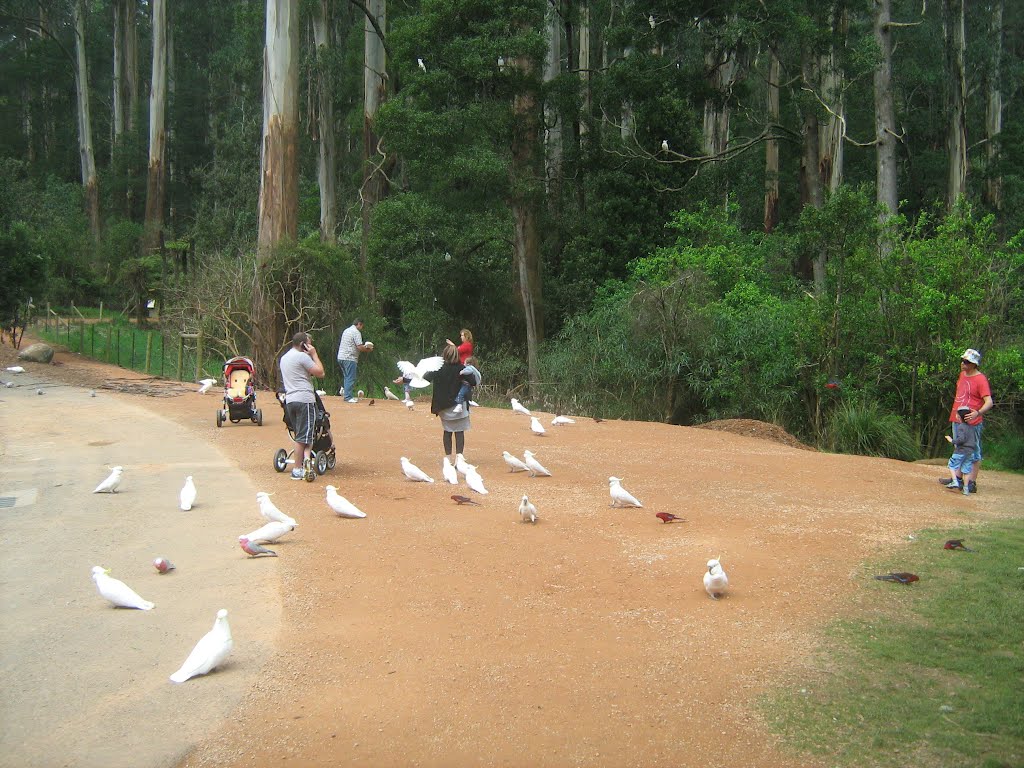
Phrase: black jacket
[446,386]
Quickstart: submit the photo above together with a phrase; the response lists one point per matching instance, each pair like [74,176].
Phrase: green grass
[929,675]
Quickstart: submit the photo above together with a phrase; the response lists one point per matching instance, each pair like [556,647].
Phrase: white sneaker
[457,408]
[352,400]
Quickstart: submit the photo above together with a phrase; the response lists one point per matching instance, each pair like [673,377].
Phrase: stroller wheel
[220,419]
[332,459]
[281,460]
[259,418]
[321,462]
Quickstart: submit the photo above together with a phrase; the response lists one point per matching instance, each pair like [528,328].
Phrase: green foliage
[865,429]
[931,670]
[22,274]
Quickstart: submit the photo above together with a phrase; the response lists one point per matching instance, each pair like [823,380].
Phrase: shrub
[867,430]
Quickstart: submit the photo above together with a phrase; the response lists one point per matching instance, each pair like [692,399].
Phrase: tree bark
[771,146]
[90,184]
[956,142]
[119,90]
[553,120]
[994,109]
[584,67]
[156,176]
[375,80]
[323,38]
[832,131]
[885,113]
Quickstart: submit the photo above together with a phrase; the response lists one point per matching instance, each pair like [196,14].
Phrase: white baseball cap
[971,356]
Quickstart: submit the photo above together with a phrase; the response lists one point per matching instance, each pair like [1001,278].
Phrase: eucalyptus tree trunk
[90,184]
[584,66]
[279,172]
[832,130]
[524,203]
[885,113]
[27,99]
[626,126]
[771,145]
[553,120]
[956,142]
[156,174]
[375,185]
[323,38]
[120,91]
[994,108]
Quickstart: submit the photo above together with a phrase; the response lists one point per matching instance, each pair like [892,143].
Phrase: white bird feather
[117,592]
[559,421]
[209,652]
[416,372]
[16,369]
[536,427]
[270,512]
[342,506]
[389,394]
[527,511]
[535,467]
[187,497]
[620,496]
[206,384]
[515,465]
[475,482]
[270,532]
[112,482]
[415,473]
[519,407]
[448,470]
[715,580]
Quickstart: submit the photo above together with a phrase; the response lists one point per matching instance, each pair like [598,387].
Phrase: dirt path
[440,635]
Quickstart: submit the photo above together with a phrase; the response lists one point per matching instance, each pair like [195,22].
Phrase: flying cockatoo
[620,496]
[421,65]
[475,482]
[205,385]
[535,467]
[163,565]
[209,652]
[560,421]
[389,394]
[253,549]
[515,465]
[117,592]
[448,470]
[715,580]
[188,494]
[416,372]
[536,427]
[415,473]
[519,408]
[270,532]
[527,512]
[113,480]
[342,506]
[269,510]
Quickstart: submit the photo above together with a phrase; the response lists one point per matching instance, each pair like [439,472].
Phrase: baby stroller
[322,455]
[239,393]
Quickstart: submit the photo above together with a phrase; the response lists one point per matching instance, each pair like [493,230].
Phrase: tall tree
[832,131]
[375,80]
[994,107]
[323,39]
[90,183]
[552,117]
[885,112]
[956,77]
[156,177]
[771,145]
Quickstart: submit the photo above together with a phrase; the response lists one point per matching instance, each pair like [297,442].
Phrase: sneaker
[457,408]
[948,483]
[352,400]
[953,485]
[298,474]
[972,486]
[967,489]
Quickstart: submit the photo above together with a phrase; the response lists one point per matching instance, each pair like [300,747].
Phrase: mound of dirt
[759,429]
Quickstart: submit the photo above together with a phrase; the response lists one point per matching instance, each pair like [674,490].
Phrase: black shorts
[303,418]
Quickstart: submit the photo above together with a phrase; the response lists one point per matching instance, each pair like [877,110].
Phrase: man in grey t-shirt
[298,364]
[348,357]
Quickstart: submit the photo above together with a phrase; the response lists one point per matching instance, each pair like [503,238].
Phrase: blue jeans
[348,373]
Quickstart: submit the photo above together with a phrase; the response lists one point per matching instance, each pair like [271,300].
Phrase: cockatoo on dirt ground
[209,652]
[112,482]
[205,385]
[715,580]
[527,512]
[117,592]
[620,496]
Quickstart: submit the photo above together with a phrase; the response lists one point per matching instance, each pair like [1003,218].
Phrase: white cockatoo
[715,580]
[535,467]
[519,407]
[342,507]
[117,592]
[536,427]
[448,470]
[187,497]
[269,510]
[270,532]
[560,421]
[388,394]
[461,464]
[421,65]
[16,369]
[205,384]
[664,145]
[209,652]
[527,512]
[475,482]
[620,496]
[409,404]
[415,473]
[112,482]
[416,372]
[515,465]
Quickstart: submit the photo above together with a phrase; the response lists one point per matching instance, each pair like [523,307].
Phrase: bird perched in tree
[117,592]
[535,467]
[460,500]
[527,511]
[253,549]
[715,580]
[560,420]
[209,652]
[536,427]
[187,497]
[421,65]
[448,470]
[956,544]
[515,465]
[902,577]
[112,482]
[205,385]
[389,395]
[342,506]
[664,145]
[519,407]
[668,517]
[620,496]
[650,20]
[415,473]
[163,565]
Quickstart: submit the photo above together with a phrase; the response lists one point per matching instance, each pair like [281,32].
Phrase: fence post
[181,353]
[101,311]
[149,349]
[92,341]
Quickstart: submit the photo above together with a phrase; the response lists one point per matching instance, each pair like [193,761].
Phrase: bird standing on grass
[902,577]
[112,482]
[957,544]
[117,592]
[715,580]
[620,496]
[209,652]
[187,497]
